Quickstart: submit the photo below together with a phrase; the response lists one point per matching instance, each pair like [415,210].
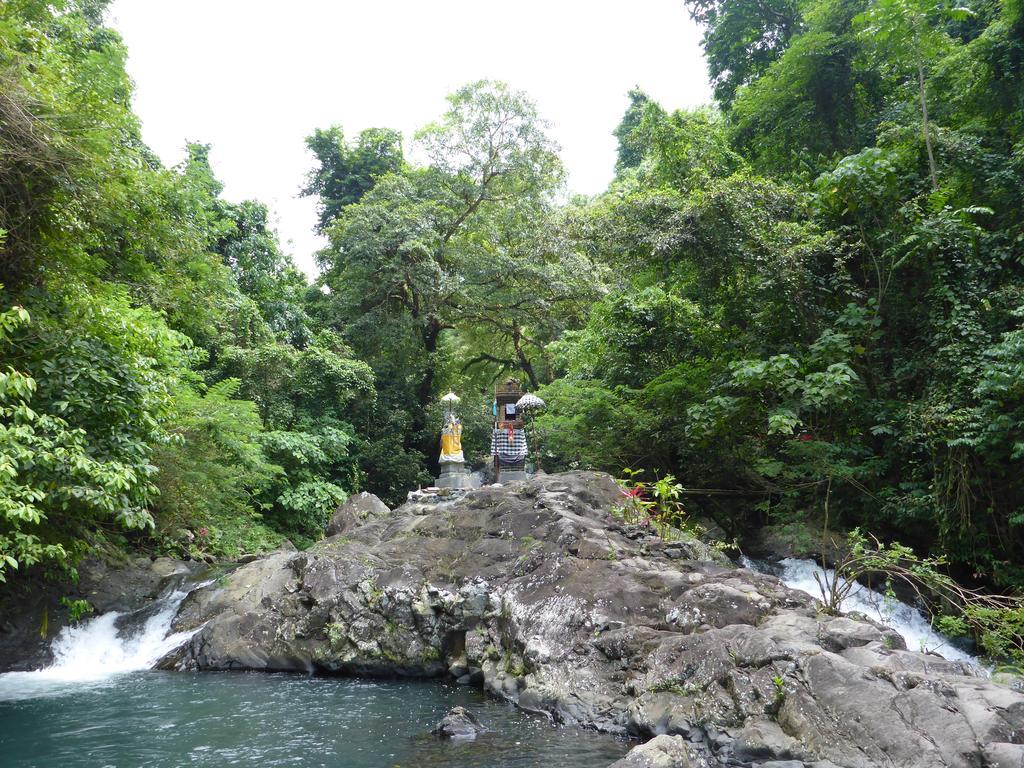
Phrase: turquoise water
[170,720]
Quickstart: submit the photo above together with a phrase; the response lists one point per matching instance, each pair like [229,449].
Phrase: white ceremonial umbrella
[450,400]
[528,401]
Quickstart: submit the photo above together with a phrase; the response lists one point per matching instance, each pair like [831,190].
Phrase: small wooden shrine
[508,438]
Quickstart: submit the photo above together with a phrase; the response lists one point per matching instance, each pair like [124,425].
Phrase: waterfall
[95,650]
[911,623]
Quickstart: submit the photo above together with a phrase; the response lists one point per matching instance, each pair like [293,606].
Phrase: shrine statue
[452,463]
[451,440]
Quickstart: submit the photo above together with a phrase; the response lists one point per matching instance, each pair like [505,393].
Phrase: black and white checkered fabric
[509,450]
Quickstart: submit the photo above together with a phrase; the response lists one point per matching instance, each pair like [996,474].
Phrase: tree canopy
[807,294]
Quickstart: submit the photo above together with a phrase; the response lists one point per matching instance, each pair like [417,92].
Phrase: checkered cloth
[508,449]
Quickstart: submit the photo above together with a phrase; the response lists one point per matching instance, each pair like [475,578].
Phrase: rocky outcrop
[356,510]
[535,592]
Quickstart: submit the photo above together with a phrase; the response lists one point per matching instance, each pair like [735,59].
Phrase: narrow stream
[910,622]
[92,652]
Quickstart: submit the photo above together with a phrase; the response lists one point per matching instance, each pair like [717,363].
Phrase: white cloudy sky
[254,77]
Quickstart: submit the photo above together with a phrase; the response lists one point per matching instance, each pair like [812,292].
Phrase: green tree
[212,471]
[817,99]
[345,172]
[264,274]
[908,35]
[629,153]
[64,469]
[742,38]
[398,259]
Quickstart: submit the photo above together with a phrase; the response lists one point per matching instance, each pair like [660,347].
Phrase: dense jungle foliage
[810,293]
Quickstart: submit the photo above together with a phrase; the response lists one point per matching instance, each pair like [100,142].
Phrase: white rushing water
[97,649]
[911,623]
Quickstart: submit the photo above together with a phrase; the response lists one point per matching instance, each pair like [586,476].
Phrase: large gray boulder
[537,593]
[661,752]
[355,511]
[459,724]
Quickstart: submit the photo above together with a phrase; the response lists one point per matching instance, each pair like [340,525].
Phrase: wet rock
[168,567]
[718,605]
[841,633]
[459,723]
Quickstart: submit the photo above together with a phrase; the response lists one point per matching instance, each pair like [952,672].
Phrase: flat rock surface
[537,593]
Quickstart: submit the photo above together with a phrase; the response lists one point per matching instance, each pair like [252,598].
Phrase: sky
[253,78]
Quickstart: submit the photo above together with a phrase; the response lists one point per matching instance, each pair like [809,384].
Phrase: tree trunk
[430,332]
[924,122]
[524,361]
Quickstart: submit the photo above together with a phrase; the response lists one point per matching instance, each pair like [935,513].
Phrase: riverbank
[537,594]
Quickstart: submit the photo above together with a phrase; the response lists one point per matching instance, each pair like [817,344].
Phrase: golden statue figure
[451,440]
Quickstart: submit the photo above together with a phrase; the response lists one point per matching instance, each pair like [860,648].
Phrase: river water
[170,719]
[100,706]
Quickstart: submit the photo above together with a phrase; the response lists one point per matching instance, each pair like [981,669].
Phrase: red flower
[204,532]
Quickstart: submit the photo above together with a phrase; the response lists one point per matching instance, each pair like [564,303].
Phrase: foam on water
[96,650]
[905,619]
